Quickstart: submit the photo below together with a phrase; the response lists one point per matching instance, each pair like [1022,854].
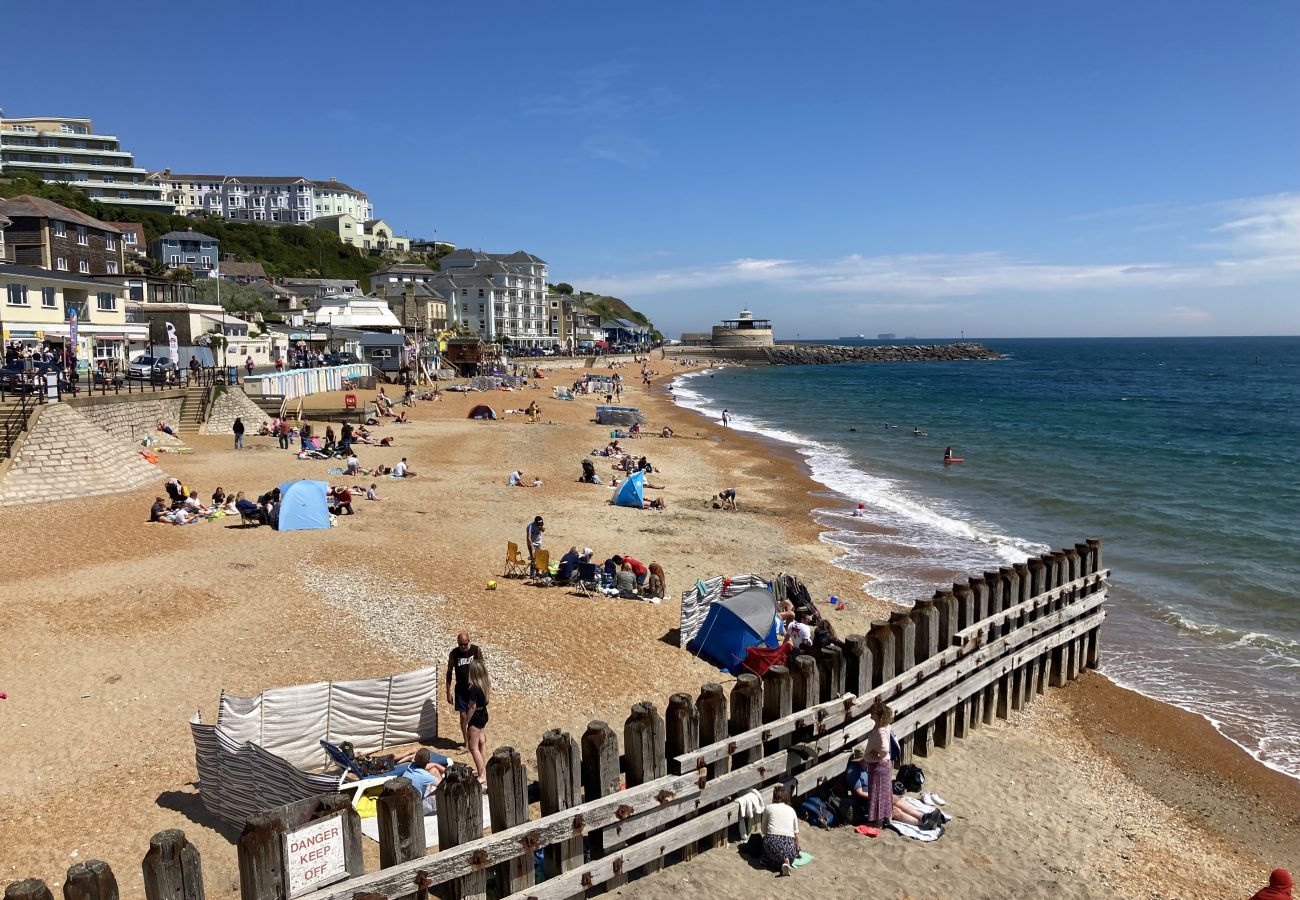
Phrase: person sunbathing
[656,503]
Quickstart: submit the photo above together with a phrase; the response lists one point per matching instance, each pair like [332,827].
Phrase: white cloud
[1261,242]
[1189,314]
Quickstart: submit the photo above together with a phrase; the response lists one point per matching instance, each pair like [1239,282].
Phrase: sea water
[1180,454]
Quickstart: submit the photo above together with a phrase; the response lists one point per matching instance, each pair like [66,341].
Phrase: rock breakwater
[821,354]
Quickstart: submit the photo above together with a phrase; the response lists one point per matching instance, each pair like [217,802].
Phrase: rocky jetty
[821,354]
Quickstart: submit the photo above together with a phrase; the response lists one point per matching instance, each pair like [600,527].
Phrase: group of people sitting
[185,508]
[518,479]
[619,575]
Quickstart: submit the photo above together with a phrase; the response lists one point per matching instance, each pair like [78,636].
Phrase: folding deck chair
[516,566]
[587,581]
[541,564]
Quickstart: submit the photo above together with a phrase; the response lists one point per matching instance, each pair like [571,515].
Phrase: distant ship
[887,336]
[854,337]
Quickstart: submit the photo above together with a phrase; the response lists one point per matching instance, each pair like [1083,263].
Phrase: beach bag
[816,812]
[910,777]
[895,749]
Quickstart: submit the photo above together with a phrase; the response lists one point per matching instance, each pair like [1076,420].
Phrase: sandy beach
[118,630]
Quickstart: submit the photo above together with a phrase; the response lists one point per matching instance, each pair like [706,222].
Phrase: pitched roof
[423,291]
[47,275]
[187,236]
[27,205]
[248,269]
[403,268]
[333,185]
[519,256]
[267,179]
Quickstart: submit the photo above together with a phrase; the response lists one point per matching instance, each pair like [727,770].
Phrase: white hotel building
[260,198]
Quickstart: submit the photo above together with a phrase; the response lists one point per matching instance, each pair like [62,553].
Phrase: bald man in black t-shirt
[458,661]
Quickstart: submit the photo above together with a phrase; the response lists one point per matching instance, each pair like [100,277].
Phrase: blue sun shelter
[631,492]
[303,506]
[733,625]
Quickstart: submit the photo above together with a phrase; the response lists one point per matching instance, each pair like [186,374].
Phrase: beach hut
[631,492]
[482,412]
[303,506]
[733,624]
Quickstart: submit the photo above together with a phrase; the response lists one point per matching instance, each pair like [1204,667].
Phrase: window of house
[207,262]
[84,267]
[61,263]
[49,297]
[17,294]
[112,268]
[123,195]
[81,235]
[128,238]
[110,242]
[59,230]
[175,260]
[107,301]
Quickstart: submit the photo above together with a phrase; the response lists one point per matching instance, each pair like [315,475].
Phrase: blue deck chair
[588,574]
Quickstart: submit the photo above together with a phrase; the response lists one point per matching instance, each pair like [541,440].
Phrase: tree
[564,288]
[234,297]
[181,275]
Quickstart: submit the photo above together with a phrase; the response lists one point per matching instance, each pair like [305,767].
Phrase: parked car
[341,359]
[150,368]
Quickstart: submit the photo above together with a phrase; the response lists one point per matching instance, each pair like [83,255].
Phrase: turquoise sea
[1181,454]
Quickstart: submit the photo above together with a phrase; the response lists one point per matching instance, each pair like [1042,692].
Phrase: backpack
[817,812]
[911,778]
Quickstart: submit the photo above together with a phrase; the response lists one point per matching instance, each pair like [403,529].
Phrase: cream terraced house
[69,151]
[372,237]
[289,199]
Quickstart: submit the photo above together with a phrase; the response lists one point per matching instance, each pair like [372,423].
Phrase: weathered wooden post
[600,778]
[993,582]
[979,592]
[714,720]
[1010,596]
[644,743]
[880,638]
[28,889]
[1020,689]
[1073,648]
[559,782]
[1092,655]
[946,605]
[746,715]
[926,618]
[830,672]
[1036,684]
[778,702]
[900,622]
[399,813]
[507,807]
[460,820]
[1060,654]
[857,664]
[90,880]
[172,868]
[261,858]
[682,723]
[965,606]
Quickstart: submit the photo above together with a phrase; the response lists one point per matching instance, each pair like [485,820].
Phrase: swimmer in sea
[851,428]
[917,432]
[947,454]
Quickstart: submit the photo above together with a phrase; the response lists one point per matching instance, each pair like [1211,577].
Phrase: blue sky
[928,168]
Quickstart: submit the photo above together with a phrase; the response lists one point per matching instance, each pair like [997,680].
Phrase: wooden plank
[600,778]
[712,704]
[644,737]
[778,703]
[682,720]
[746,718]
[400,816]
[857,664]
[260,854]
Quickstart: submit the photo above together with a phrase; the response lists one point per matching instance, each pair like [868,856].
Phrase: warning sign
[313,856]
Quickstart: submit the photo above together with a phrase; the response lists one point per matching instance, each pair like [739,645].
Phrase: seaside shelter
[303,506]
[733,624]
[631,492]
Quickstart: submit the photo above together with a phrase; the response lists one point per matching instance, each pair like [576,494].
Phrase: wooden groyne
[971,654]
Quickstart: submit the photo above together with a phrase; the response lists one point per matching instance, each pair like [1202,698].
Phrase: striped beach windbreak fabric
[695,602]
[259,753]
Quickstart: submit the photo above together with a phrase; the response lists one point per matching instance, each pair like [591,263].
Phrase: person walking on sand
[477,693]
[238,429]
[458,663]
[726,419]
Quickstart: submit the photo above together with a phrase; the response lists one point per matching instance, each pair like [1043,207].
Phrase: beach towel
[802,859]
[337,471]
[916,834]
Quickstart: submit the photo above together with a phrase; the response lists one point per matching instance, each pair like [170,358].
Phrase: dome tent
[631,492]
[482,412]
[734,624]
[303,506]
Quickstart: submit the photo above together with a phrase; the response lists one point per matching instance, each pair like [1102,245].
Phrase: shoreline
[1177,754]
[789,450]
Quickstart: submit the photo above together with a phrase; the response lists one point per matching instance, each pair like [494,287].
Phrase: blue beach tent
[733,625]
[303,506]
[631,492]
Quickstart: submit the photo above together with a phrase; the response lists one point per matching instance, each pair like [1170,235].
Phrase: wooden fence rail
[954,662]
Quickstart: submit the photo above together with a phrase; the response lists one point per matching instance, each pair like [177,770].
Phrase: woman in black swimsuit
[480,688]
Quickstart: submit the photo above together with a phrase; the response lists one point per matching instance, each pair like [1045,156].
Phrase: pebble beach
[118,630]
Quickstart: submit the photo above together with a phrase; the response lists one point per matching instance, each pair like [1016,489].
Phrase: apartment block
[290,199]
